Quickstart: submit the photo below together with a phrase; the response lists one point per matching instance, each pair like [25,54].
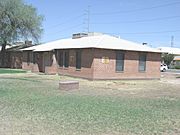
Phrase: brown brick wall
[131,63]
[13,59]
[25,64]
[38,65]
[92,66]
[50,63]
[40,62]
[16,60]
[37,62]
[86,70]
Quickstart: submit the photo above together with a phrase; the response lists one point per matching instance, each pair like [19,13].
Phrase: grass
[11,71]
[33,104]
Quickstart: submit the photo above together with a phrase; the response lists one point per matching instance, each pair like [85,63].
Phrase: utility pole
[87,19]
[172,41]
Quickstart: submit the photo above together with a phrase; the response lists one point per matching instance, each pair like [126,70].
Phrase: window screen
[28,57]
[66,59]
[119,61]
[78,59]
[60,59]
[142,62]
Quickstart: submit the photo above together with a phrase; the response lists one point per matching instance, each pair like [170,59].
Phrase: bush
[167,58]
[177,67]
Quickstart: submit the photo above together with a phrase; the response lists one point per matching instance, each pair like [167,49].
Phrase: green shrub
[167,58]
[177,67]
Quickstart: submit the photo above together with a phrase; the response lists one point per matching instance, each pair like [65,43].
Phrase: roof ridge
[100,40]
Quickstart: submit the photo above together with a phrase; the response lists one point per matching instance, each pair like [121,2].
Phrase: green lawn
[33,104]
[11,71]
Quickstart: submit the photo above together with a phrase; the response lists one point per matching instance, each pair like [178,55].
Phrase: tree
[18,21]
[167,58]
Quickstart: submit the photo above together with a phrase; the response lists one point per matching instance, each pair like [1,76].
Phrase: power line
[172,41]
[67,21]
[68,28]
[132,33]
[139,21]
[139,33]
[56,39]
[136,10]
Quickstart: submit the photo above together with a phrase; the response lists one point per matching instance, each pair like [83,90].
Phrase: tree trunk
[2,54]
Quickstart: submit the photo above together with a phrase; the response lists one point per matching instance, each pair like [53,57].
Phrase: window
[78,59]
[66,59]
[34,58]
[63,59]
[119,61]
[142,62]
[60,59]
[28,57]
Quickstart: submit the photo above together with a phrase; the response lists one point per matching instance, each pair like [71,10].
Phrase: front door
[40,63]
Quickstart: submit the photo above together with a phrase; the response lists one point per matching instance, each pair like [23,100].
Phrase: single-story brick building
[94,56]
[44,62]
[14,54]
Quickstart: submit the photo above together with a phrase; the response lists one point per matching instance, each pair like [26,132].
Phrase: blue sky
[151,21]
